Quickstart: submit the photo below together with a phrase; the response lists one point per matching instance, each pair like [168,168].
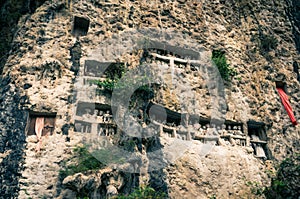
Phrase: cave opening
[80,26]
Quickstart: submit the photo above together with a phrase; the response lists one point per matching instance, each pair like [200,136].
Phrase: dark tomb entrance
[281,84]
[80,26]
[258,139]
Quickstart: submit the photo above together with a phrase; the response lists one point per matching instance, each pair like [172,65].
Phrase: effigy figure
[106,117]
[223,130]
[87,114]
[214,130]
[204,130]
[239,131]
[234,130]
[100,117]
[197,130]
[230,131]
[111,131]
[78,127]
[100,132]
[197,126]
[95,115]
[219,130]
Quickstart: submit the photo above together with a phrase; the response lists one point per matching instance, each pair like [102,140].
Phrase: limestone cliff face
[260,40]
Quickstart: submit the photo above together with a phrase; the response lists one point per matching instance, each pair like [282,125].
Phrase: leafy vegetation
[84,197]
[256,188]
[83,161]
[122,82]
[127,83]
[110,155]
[144,193]
[226,72]
[128,145]
[286,183]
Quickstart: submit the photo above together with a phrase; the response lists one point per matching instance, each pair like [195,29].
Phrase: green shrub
[115,84]
[82,161]
[107,84]
[286,183]
[110,155]
[128,145]
[224,68]
[125,84]
[256,188]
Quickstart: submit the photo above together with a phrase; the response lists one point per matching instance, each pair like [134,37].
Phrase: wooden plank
[258,141]
[209,138]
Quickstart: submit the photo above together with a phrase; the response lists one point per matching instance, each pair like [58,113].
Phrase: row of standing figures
[207,129]
[105,130]
[98,115]
[195,130]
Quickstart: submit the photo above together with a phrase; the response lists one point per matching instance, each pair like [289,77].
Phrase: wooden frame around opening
[49,123]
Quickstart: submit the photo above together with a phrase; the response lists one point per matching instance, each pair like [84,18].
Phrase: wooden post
[174,134]
[94,128]
[161,130]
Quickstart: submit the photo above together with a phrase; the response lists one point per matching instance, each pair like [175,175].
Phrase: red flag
[287,106]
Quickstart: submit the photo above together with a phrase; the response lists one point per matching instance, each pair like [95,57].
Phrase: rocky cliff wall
[12,144]
[259,40]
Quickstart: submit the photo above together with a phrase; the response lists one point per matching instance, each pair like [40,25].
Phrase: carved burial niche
[163,115]
[110,70]
[86,109]
[44,121]
[92,116]
[258,139]
[83,127]
[257,129]
[95,68]
[80,26]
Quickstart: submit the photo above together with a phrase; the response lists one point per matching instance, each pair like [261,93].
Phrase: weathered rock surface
[40,71]
[223,173]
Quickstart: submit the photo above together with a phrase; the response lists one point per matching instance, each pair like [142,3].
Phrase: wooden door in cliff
[48,125]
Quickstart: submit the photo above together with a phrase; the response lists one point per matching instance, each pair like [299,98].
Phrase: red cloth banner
[287,105]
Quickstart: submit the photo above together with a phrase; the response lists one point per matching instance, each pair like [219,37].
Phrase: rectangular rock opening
[94,118]
[258,139]
[163,115]
[80,26]
[91,110]
[82,126]
[40,124]
[93,68]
